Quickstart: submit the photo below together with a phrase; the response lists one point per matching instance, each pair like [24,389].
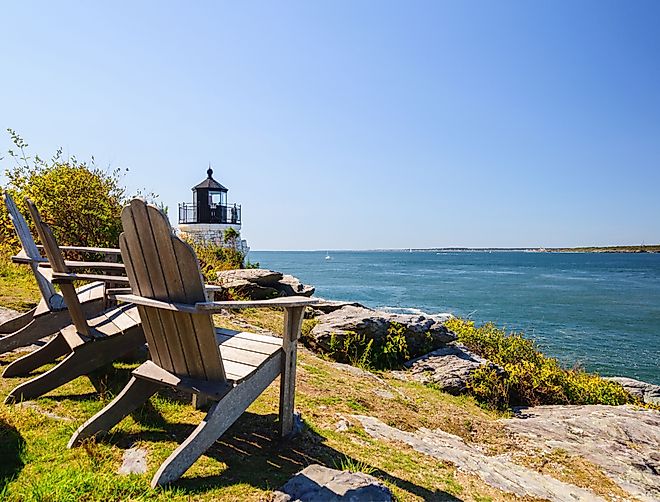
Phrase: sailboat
[327,256]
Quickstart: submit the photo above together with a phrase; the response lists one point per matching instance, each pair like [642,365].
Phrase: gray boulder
[422,332]
[327,306]
[258,276]
[448,367]
[647,392]
[290,286]
[260,284]
[316,483]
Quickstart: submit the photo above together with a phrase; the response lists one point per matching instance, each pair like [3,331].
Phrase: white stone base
[213,232]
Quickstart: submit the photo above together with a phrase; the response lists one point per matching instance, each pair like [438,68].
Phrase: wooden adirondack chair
[230,368]
[87,344]
[51,314]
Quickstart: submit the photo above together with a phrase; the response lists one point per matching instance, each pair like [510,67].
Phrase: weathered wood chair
[88,344]
[229,368]
[51,314]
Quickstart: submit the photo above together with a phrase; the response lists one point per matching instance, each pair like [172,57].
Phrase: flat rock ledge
[448,367]
[623,440]
[647,392]
[260,284]
[422,332]
[316,483]
[497,471]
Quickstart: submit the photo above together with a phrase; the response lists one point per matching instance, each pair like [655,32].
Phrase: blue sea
[601,311]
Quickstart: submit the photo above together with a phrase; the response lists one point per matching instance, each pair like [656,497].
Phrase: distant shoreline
[655,248]
[583,249]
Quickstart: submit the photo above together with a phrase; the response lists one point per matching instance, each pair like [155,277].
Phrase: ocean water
[601,311]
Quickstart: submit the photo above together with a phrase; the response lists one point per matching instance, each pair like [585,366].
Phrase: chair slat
[162,267]
[30,248]
[57,264]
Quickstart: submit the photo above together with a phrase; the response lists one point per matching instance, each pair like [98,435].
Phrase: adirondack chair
[88,344]
[51,314]
[229,368]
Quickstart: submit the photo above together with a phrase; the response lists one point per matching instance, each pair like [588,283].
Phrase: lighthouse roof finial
[209,171]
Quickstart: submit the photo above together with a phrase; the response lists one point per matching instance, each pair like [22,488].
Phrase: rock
[34,406]
[134,461]
[260,284]
[258,276]
[623,440]
[385,394]
[497,471]
[250,289]
[342,425]
[290,286]
[317,483]
[647,392]
[422,332]
[328,306]
[448,367]
[6,314]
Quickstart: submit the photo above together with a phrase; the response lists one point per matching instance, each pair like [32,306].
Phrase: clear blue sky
[359,124]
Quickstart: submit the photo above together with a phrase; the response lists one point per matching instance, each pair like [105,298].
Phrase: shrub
[80,202]
[529,378]
[214,258]
[357,350]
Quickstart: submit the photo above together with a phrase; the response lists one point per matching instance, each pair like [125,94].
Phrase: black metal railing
[216,213]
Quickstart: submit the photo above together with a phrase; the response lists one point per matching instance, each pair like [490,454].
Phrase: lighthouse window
[215,198]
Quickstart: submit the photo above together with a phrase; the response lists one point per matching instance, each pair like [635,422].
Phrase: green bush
[80,202]
[359,351]
[214,258]
[529,377]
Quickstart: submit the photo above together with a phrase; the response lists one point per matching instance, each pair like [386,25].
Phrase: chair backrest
[57,264]
[30,249]
[161,266]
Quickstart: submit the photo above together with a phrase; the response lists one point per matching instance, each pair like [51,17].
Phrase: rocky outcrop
[497,471]
[315,483]
[422,332]
[260,284]
[624,441]
[448,367]
[647,392]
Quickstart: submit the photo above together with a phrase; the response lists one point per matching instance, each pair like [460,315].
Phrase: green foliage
[352,465]
[214,258]
[370,353]
[80,202]
[529,377]
[230,236]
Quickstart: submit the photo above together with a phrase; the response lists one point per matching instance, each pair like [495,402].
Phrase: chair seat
[86,293]
[242,352]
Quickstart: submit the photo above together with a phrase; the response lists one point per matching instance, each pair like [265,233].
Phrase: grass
[249,461]
[18,289]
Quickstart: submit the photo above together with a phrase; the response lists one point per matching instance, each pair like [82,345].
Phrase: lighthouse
[210,216]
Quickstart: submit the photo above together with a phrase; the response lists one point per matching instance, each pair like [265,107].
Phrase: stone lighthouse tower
[210,218]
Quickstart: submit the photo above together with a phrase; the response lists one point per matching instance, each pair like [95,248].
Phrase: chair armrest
[99,265]
[286,301]
[211,307]
[25,259]
[59,277]
[83,249]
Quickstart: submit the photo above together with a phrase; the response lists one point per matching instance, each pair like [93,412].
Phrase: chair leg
[219,418]
[40,327]
[136,393]
[84,359]
[292,325]
[17,323]
[55,348]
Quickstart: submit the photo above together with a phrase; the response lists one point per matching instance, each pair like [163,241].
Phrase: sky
[358,124]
